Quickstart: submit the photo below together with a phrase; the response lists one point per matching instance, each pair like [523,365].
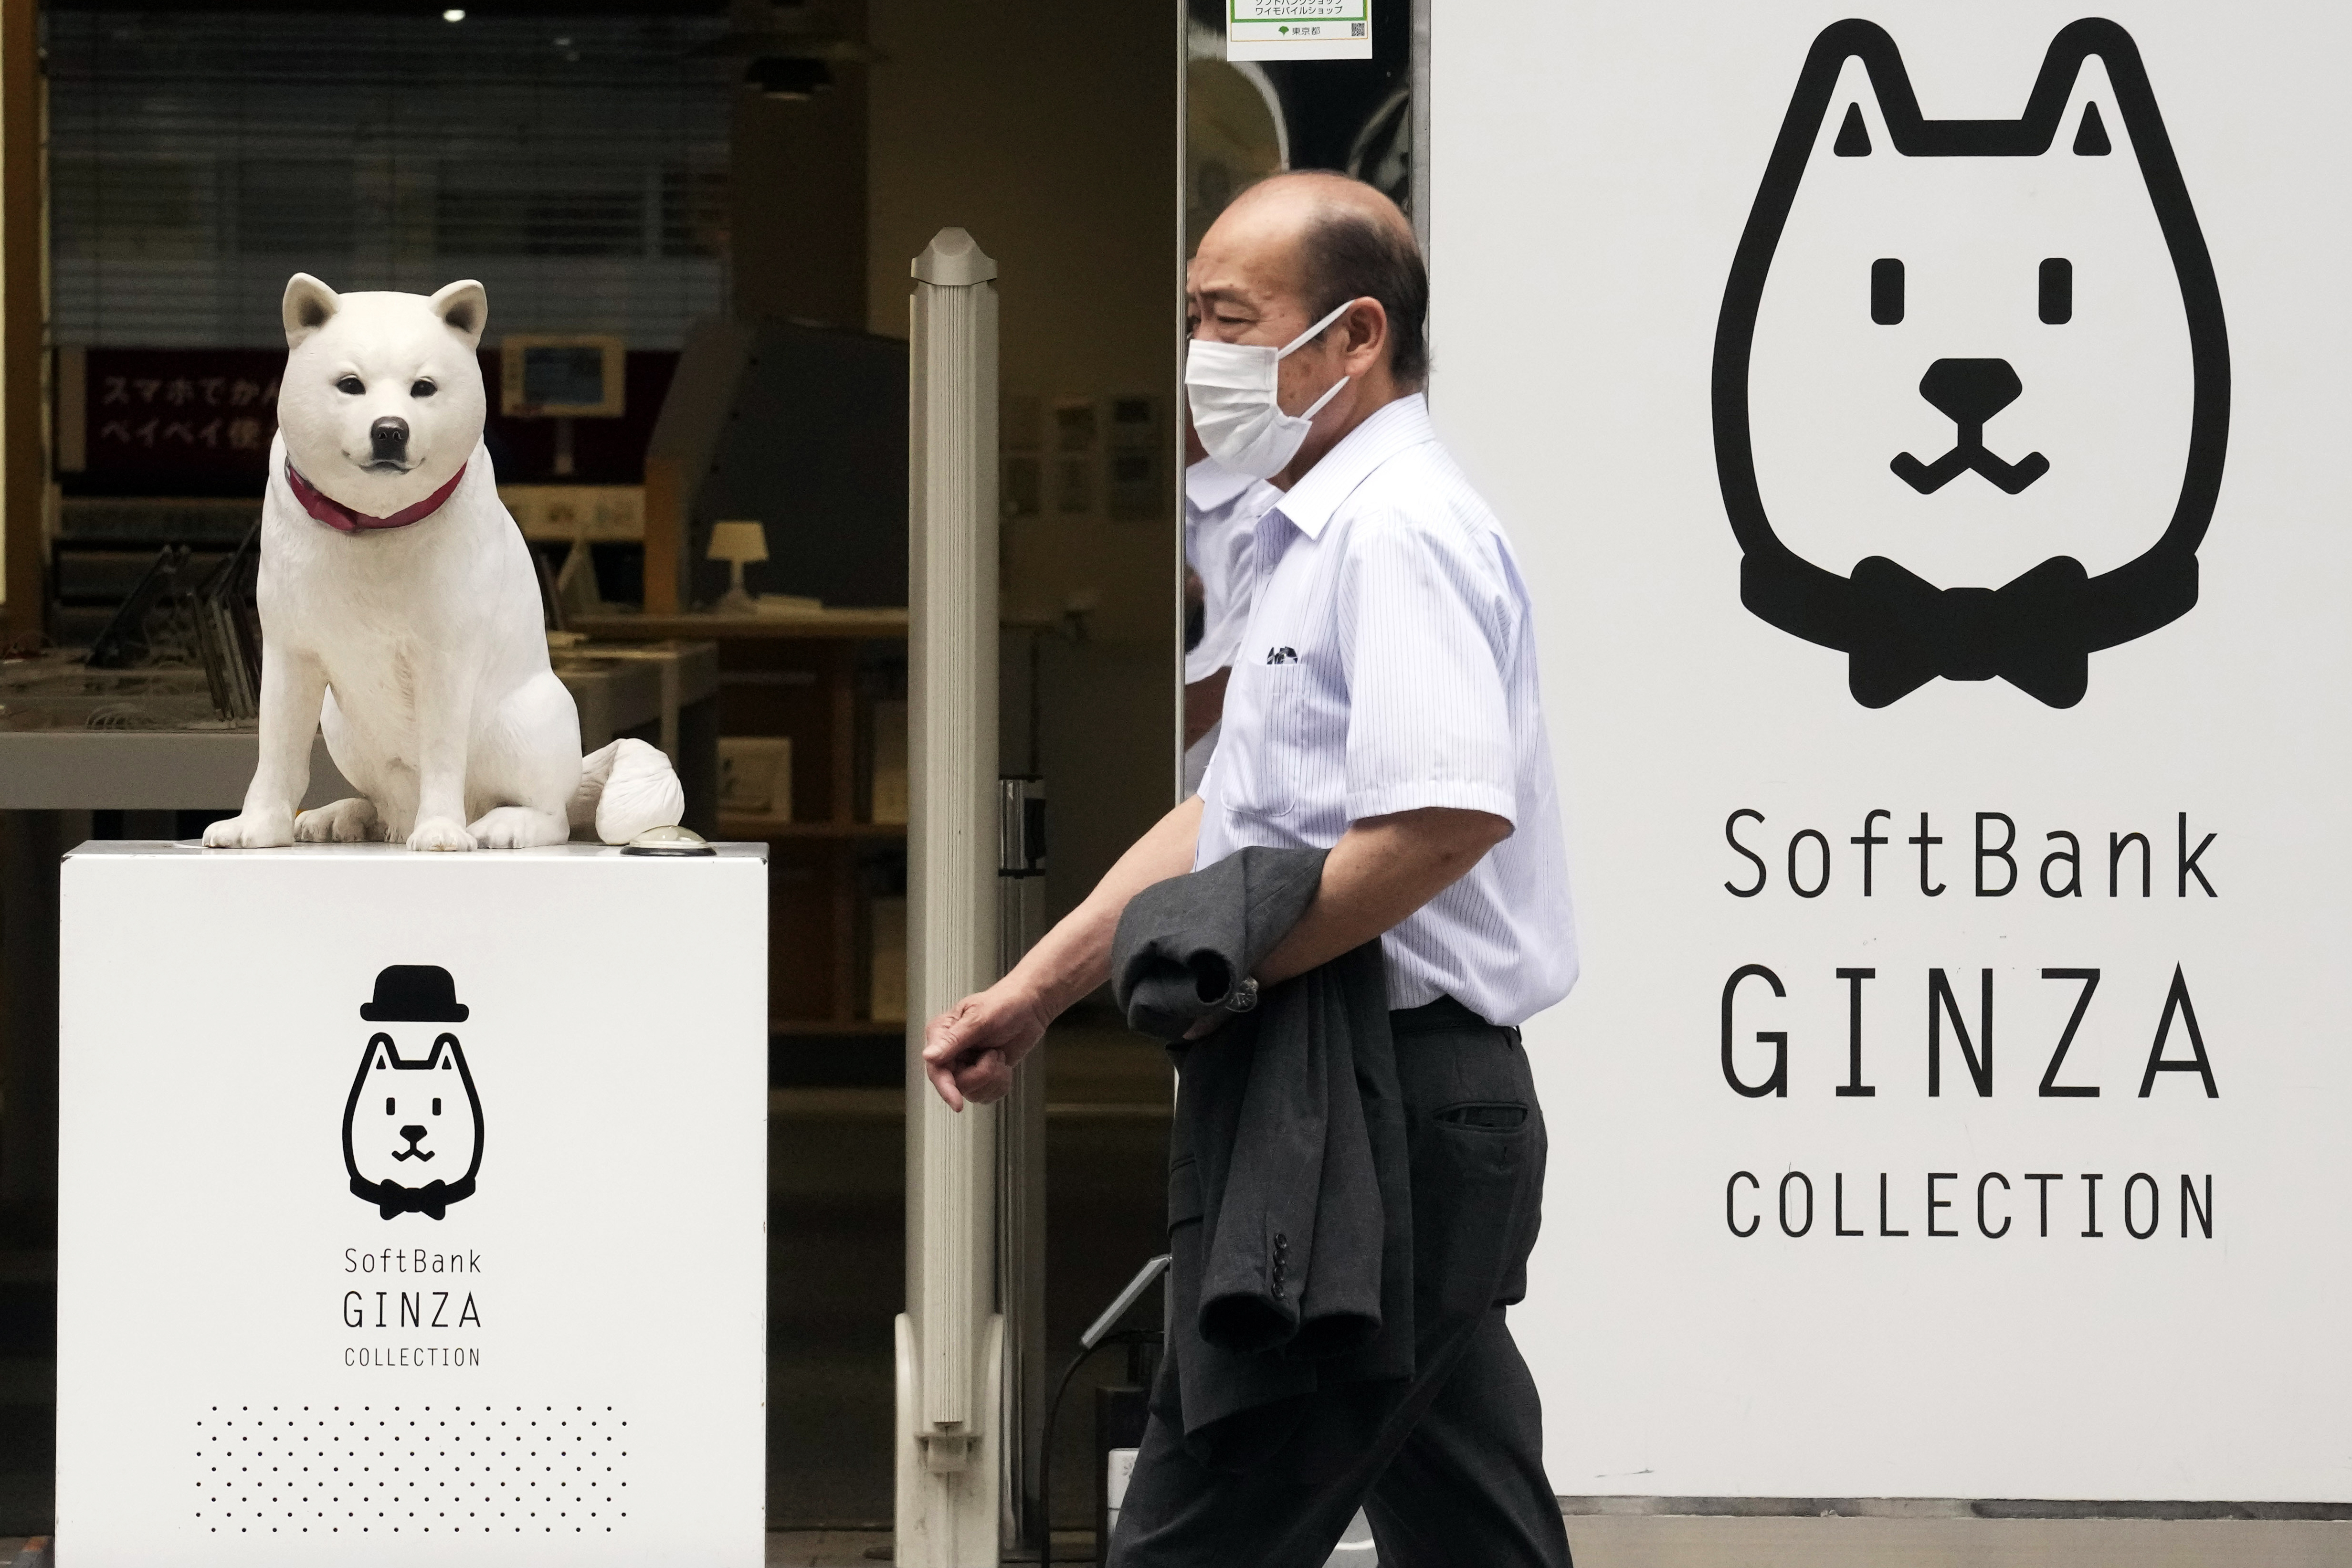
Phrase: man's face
[1245,286]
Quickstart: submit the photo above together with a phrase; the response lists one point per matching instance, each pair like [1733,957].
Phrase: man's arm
[969,1051]
[1381,870]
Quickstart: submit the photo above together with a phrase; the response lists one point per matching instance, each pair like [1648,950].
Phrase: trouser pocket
[1477,1167]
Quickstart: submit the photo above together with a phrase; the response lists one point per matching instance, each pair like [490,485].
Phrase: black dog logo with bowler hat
[413,1128]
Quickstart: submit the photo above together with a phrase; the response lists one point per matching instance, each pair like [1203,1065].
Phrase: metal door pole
[1021,1175]
[950,1338]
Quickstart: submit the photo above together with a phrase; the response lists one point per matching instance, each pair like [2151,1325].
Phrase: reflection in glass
[1244,120]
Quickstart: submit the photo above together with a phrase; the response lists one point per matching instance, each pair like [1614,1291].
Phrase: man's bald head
[1341,239]
[1304,197]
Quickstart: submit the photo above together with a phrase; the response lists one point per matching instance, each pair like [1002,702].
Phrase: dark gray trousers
[1448,1464]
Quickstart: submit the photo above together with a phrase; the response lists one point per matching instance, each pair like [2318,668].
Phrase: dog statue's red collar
[337,516]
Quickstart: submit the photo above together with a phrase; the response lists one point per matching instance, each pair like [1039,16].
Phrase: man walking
[1383,704]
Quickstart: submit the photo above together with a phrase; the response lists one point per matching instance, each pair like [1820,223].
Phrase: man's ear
[465,308]
[1366,326]
[307,307]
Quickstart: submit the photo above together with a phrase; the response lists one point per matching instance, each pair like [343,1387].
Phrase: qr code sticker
[1356,29]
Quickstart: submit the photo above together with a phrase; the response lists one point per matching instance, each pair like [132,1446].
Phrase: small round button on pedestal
[669,841]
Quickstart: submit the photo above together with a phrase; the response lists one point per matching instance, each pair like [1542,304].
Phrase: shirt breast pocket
[1269,784]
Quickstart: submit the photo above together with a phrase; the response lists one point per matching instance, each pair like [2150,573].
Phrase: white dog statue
[400,611]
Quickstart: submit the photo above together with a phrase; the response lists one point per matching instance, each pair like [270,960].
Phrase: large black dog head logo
[413,1125]
[1971,380]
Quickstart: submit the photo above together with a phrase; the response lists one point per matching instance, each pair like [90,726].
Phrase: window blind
[576,165]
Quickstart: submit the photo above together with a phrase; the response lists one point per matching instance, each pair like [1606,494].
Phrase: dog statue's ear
[308,305]
[465,305]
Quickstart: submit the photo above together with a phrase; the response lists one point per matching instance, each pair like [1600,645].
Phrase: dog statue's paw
[519,828]
[440,834]
[347,821]
[252,830]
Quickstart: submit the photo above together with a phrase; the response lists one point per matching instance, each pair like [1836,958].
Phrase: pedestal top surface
[120,848]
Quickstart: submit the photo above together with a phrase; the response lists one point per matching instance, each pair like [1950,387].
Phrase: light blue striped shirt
[1389,665]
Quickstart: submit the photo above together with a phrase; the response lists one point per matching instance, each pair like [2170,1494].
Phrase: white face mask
[1232,389]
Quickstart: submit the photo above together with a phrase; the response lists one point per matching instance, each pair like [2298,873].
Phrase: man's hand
[971,1050]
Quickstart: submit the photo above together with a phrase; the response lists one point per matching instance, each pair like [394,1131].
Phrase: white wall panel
[1596,166]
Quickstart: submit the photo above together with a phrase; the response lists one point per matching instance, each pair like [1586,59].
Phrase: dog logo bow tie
[1906,631]
[433,1199]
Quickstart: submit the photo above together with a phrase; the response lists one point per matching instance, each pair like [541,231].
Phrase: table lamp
[736,543]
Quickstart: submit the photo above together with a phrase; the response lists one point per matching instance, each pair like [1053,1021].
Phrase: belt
[1443,1015]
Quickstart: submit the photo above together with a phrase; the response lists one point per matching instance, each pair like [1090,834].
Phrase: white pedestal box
[412,1208]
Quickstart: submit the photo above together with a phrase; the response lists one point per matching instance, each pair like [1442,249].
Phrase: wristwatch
[1244,996]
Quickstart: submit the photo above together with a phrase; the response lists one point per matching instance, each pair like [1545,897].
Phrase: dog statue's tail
[625,788]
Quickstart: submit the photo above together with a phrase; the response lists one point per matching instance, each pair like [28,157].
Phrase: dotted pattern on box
[403,1469]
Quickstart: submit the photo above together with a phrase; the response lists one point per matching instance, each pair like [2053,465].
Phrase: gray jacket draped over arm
[1289,1208]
